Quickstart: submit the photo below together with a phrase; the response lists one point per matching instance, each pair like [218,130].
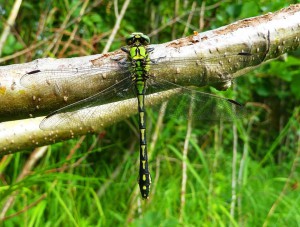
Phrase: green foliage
[12,45]
[96,185]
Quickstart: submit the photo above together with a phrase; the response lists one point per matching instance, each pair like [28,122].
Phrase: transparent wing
[54,77]
[215,60]
[72,116]
[227,64]
[205,106]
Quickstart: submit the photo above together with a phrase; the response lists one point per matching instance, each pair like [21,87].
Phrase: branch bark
[265,37]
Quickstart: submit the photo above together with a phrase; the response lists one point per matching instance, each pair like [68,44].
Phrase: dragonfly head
[137,38]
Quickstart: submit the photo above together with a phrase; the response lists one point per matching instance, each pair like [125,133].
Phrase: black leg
[125,50]
[150,49]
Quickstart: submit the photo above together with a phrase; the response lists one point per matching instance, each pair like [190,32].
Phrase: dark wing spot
[34,71]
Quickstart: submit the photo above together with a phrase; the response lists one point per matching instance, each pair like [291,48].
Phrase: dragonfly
[139,78]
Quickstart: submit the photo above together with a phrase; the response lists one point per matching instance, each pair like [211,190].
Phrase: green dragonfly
[138,74]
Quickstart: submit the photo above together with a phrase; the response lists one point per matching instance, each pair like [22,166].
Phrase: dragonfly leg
[154,61]
[150,49]
[125,50]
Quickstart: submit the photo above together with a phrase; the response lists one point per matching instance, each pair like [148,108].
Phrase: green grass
[72,197]
[93,181]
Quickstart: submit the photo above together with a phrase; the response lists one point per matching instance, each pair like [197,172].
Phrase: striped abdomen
[144,174]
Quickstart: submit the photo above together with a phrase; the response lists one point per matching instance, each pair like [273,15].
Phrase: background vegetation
[241,174]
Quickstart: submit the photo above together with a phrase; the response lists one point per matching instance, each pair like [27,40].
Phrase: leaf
[295,86]
[12,45]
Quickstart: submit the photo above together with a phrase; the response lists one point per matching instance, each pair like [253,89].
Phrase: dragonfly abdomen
[144,174]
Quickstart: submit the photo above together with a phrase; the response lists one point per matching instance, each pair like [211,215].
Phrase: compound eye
[130,40]
[146,39]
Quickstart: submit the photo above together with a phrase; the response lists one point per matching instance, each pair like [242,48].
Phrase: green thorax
[138,54]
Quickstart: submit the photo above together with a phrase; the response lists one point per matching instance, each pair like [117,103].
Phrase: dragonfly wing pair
[138,75]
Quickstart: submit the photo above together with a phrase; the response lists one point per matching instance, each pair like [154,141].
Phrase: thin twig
[10,22]
[58,35]
[233,172]
[116,27]
[178,18]
[242,168]
[116,8]
[190,17]
[22,52]
[116,172]
[26,208]
[217,144]
[201,20]
[154,138]
[158,126]
[72,152]
[287,184]
[184,161]
[71,38]
[5,160]
[46,40]
[34,157]
[157,173]
[173,35]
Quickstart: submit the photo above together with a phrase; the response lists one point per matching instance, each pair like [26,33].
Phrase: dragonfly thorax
[138,53]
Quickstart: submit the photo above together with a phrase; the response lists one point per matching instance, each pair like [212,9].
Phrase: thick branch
[25,134]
